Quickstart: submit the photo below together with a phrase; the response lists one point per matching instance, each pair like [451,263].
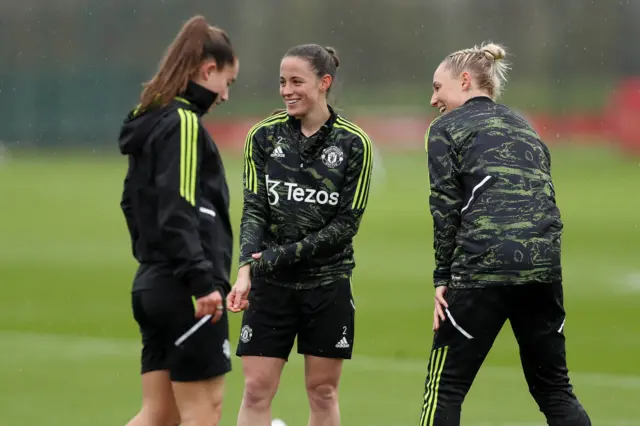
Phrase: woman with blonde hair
[497,232]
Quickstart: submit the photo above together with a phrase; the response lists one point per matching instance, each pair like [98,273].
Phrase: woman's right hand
[238,298]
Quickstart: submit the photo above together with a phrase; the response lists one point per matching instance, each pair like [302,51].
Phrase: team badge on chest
[332,156]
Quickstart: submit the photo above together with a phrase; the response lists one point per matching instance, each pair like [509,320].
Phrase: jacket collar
[324,131]
[198,96]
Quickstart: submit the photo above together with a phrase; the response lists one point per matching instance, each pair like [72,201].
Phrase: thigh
[201,401]
[322,372]
[206,354]
[155,351]
[474,317]
[538,320]
[168,312]
[158,400]
[269,323]
[460,346]
[327,322]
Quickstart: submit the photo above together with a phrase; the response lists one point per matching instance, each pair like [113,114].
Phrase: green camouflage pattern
[495,218]
[304,199]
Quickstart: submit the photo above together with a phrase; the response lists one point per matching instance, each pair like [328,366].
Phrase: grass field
[69,348]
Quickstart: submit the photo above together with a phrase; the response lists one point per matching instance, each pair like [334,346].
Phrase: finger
[199,308]
[436,323]
[441,300]
[218,314]
[244,305]
[216,298]
[230,300]
[439,310]
[237,300]
[209,306]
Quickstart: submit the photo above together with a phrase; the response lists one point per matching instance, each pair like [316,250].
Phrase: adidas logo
[342,343]
[277,152]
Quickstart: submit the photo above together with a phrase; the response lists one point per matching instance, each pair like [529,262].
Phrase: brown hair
[485,62]
[323,60]
[196,42]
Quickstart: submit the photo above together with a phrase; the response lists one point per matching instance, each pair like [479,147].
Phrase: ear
[207,68]
[465,80]
[325,82]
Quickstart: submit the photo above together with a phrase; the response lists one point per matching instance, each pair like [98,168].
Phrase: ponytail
[197,41]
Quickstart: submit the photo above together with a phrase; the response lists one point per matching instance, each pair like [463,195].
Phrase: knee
[216,413]
[259,391]
[322,396]
[160,415]
[562,408]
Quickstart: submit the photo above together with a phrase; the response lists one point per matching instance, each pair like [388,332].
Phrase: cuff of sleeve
[245,262]
[289,253]
[201,286]
[441,279]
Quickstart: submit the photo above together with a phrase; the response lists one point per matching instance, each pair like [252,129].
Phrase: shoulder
[517,118]
[353,135]
[436,125]
[439,127]
[259,128]
[172,117]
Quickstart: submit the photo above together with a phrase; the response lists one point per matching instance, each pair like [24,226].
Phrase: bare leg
[322,377]
[200,403]
[158,404]
[262,377]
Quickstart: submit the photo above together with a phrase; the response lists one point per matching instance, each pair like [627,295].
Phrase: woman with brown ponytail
[176,205]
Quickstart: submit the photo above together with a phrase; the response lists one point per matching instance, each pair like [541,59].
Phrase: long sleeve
[255,208]
[344,226]
[445,200]
[126,205]
[177,165]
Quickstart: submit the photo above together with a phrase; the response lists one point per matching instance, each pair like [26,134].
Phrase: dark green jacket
[495,219]
[304,198]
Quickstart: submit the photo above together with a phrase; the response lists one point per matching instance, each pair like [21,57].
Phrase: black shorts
[322,318]
[163,315]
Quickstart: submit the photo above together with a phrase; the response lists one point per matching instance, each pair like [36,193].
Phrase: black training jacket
[175,198]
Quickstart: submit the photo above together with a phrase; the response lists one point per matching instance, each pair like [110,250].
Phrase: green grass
[69,348]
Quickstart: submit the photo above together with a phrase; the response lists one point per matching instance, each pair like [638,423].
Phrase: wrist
[245,271]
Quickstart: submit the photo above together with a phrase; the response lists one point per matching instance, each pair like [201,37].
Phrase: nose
[225,95]
[285,90]
[434,100]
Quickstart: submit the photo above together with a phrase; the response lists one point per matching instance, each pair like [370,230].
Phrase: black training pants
[460,346]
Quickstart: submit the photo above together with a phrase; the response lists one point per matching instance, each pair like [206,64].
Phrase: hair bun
[334,55]
[494,51]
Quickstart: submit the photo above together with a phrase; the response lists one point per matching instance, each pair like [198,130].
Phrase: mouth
[290,102]
[442,109]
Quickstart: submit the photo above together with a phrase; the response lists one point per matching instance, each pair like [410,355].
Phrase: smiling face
[449,91]
[300,87]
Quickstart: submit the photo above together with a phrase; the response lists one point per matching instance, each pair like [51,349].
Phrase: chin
[296,110]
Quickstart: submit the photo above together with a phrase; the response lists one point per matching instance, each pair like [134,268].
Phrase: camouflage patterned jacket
[304,198]
[495,219]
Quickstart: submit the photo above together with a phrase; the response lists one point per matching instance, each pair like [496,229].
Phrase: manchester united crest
[332,156]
